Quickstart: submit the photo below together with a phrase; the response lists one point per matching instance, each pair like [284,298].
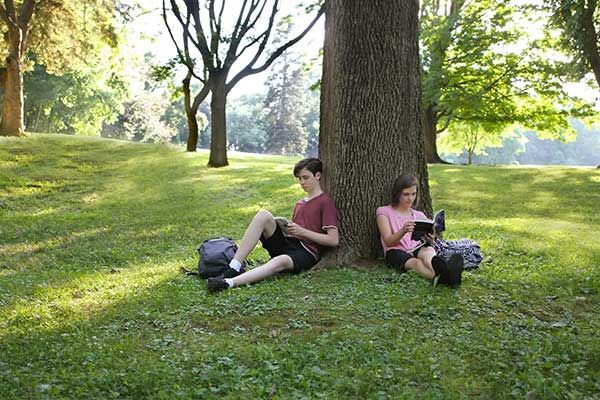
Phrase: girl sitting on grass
[396,223]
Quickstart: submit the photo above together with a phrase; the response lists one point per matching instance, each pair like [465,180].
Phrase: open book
[423,226]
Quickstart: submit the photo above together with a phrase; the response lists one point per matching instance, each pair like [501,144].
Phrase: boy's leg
[273,266]
[263,224]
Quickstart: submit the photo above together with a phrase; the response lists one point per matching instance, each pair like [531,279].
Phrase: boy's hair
[312,164]
[404,181]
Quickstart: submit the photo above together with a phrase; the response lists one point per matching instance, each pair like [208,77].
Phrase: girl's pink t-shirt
[396,223]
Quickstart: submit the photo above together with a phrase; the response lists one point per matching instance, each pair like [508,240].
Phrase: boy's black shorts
[279,244]
[398,258]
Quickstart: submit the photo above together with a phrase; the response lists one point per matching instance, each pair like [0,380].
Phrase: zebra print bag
[467,248]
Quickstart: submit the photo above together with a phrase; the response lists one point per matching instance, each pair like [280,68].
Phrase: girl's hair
[404,181]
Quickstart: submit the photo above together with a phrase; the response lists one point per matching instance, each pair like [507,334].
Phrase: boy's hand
[295,229]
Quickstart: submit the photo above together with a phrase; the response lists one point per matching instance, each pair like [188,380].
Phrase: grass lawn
[92,305]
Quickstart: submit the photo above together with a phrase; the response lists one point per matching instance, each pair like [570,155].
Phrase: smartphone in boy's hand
[282,222]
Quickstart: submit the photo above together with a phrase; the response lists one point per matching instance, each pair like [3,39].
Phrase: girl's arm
[385,230]
[329,239]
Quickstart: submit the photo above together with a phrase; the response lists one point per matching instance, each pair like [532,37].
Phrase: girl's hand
[408,226]
[429,238]
[295,229]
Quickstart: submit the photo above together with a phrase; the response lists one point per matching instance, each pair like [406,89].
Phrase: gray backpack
[215,255]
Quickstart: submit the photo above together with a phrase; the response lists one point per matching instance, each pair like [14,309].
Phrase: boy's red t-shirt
[316,214]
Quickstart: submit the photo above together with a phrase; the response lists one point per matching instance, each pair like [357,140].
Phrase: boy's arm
[329,239]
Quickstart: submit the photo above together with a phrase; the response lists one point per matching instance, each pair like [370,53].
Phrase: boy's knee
[263,216]
[282,263]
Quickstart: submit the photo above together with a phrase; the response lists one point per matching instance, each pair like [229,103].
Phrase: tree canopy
[61,35]
[482,66]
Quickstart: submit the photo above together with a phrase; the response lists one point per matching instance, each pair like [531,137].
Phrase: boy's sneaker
[441,270]
[232,273]
[455,269]
[215,285]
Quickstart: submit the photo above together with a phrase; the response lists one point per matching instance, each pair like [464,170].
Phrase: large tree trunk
[370,115]
[430,121]
[218,127]
[190,113]
[12,106]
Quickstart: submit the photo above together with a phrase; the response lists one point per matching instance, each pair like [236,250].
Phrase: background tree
[75,102]
[245,126]
[202,30]
[471,138]
[58,33]
[579,21]
[370,114]
[284,103]
[476,71]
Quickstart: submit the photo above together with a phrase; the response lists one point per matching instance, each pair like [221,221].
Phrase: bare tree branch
[177,13]
[240,31]
[26,13]
[8,14]
[238,22]
[27,10]
[214,34]
[201,44]
[4,15]
[199,98]
[248,70]
[266,34]
[184,57]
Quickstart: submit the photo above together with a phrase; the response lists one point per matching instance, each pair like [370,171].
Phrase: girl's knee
[414,263]
[427,251]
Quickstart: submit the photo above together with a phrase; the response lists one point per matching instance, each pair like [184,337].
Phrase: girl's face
[408,197]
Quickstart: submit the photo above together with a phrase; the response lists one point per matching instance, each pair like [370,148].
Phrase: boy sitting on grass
[314,225]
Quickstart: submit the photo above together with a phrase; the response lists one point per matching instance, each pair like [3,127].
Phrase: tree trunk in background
[590,38]
[190,113]
[370,115]
[430,121]
[12,106]
[218,128]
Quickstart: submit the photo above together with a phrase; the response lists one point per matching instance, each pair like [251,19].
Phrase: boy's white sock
[229,282]
[235,264]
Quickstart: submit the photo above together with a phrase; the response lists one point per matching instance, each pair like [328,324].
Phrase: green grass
[92,305]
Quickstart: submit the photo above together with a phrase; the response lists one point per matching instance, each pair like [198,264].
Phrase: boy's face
[307,180]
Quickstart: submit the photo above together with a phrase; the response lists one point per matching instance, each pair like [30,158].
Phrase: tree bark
[590,39]
[370,116]
[218,127]
[12,106]
[430,121]
[190,113]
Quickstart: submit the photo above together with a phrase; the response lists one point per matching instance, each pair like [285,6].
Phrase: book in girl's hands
[423,226]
